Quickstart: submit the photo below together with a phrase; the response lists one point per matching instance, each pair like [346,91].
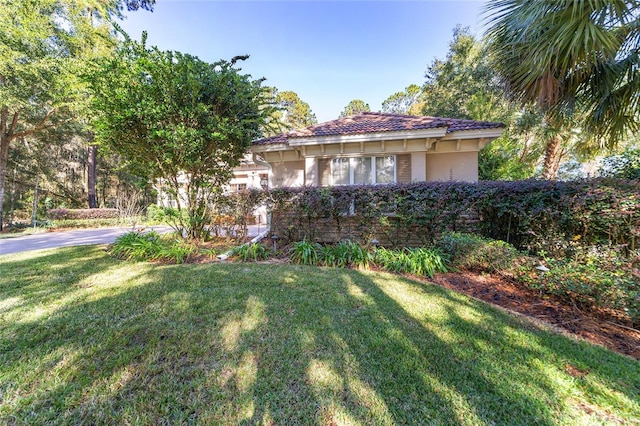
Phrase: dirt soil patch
[598,327]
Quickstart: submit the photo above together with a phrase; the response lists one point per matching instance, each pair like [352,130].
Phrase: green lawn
[86,339]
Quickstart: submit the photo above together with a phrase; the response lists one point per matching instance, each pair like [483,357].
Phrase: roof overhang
[474,134]
[369,137]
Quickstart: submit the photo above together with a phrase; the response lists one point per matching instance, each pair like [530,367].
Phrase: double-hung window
[363,170]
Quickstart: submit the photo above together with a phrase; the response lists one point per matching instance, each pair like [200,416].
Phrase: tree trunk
[552,156]
[4,156]
[91,176]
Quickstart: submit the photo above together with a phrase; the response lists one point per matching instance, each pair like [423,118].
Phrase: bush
[56,214]
[468,251]
[599,278]
[305,253]
[416,261]
[532,215]
[250,252]
[150,246]
[137,246]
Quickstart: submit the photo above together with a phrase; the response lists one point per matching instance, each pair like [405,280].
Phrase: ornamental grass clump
[250,252]
[151,246]
[305,253]
[416,261]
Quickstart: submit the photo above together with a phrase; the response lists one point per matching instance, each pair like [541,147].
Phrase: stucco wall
[460,166]
[289,173]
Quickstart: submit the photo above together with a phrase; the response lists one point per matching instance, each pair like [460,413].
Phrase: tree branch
[40,126]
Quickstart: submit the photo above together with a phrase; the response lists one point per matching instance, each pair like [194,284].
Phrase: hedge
[57,214]
[533,215]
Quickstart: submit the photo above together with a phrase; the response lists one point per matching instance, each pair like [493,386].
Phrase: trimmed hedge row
[533,215]
[57,214]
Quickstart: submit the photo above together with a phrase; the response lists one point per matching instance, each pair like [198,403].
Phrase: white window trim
[373,169]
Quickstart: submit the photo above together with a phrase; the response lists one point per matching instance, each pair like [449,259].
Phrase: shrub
[472,252]
[531,215]
[56,214]
[347,254]
[250,252]
[305,253]
[417,261]
[137,246]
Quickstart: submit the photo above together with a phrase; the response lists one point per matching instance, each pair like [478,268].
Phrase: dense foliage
[55,214]
[178,119]
[555,217]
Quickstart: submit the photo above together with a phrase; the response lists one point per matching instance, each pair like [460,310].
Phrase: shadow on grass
[239,343]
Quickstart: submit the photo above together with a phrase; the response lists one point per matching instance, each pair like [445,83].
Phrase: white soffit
[370,137]
[474,134]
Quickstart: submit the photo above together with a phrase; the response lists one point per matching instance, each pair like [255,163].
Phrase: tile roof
[377,122]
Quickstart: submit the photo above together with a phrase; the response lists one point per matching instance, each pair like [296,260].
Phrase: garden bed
[600,327]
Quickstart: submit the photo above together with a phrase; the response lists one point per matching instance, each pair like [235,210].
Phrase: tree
[410,101]
[43,46]
[356,106]
[575,60]
[296,114]
[464,85]
[179,120]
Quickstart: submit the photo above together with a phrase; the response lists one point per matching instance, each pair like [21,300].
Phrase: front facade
[377,148]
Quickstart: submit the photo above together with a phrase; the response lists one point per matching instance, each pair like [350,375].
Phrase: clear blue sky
[329,52]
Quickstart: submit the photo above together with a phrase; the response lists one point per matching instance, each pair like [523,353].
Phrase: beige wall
[461,166]
[289,173]
[418,167]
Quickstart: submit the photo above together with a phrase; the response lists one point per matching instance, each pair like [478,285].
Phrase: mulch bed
[598,327]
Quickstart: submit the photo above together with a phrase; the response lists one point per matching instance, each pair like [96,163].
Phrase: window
[235,187]
[363,170]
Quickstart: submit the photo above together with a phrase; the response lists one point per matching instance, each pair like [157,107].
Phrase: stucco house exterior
[373,148]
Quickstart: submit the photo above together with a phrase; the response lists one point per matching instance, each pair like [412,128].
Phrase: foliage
[294,113]
[410,101]
[345,254]
[250,252]
[472,252]
[578,61]
[57,214]
[623,166]
[181,120]
[532,215]
[464,85]
[354,107]
[237,209]
[151,246]
[137,246]
[417,261]
[304,252]
[596,277]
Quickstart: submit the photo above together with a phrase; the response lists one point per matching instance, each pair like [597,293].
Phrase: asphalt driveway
[79,237]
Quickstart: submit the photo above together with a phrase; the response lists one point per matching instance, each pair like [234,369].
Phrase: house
[374,148]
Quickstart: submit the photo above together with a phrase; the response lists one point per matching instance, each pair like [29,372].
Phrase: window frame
[373,170]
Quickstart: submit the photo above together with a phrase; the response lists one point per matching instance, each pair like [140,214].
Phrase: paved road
[77,237]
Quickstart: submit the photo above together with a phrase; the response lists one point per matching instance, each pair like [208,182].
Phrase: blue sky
[329,52]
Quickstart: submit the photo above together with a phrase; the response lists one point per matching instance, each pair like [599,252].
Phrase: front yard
[85,338]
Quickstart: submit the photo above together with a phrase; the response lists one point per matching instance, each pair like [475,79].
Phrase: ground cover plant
[85,338]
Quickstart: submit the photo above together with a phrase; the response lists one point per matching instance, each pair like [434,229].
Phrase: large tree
[410,101]
[464,85]
[179,120]
[577,60]
[295,113]
[356,106]
[44,44]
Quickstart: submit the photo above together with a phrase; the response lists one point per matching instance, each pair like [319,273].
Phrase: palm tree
[573,58]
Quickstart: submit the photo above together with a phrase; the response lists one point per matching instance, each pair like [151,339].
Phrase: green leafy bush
[468,251]
[151,246]
[417,261]
[599,278]
[137,246]
[250,252]
[532,215]
[305,253]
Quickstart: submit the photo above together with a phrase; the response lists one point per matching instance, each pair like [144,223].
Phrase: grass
[87,339]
